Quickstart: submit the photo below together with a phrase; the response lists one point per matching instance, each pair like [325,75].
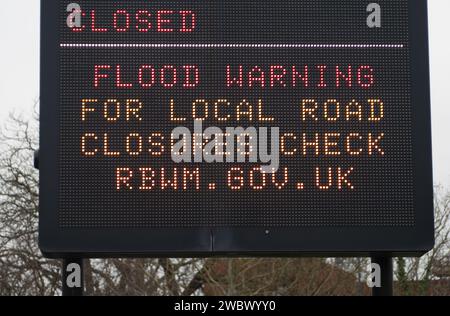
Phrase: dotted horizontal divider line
[109,45]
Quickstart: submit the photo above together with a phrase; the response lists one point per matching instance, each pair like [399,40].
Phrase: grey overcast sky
[19,70]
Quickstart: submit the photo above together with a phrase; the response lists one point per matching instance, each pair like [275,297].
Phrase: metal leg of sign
[72,277]
[386,266]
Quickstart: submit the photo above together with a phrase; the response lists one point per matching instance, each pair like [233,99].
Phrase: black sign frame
[56,242]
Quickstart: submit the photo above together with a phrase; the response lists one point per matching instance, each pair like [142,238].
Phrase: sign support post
[387,276]
[72,277]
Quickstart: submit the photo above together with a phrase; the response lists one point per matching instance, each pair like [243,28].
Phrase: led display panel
[189,127]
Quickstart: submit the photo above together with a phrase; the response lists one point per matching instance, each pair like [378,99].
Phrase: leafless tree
[280,276]
[423,276]
[23,270]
